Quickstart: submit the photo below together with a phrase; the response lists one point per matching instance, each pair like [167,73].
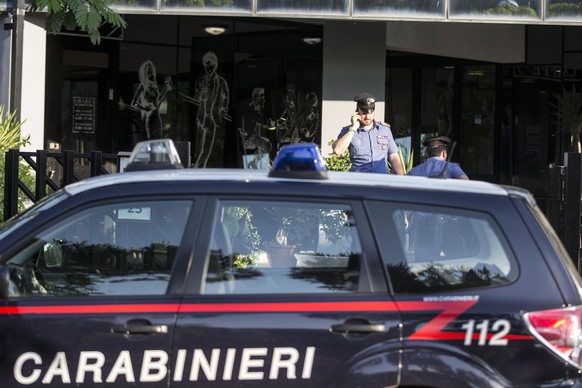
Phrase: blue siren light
[154,155]
[301,160]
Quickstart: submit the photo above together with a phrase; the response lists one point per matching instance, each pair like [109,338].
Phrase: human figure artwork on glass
[146,102]
[211,96]
[256,146]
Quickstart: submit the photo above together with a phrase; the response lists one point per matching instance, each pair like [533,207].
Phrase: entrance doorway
[501,117]
[80,104]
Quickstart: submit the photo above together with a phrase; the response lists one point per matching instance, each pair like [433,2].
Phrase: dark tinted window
[436,249]
[283,247]
[125,248]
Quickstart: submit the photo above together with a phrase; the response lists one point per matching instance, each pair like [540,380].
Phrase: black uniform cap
[366,101]
[439,141]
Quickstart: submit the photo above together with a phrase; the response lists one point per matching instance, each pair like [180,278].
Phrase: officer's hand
[356,119]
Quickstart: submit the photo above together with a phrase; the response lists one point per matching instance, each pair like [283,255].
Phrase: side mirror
[4,282]
[53,254]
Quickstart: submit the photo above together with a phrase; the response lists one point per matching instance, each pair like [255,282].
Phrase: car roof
[364,180]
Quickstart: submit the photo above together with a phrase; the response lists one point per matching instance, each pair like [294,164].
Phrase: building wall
[5,49]
[354,60]
[499,43]
[33,82]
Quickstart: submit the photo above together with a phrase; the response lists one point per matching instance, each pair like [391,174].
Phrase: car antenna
[443,174]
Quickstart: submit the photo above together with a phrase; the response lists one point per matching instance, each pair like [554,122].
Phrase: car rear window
[429,249]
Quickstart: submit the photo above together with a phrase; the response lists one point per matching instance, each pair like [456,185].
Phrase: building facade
[237,79]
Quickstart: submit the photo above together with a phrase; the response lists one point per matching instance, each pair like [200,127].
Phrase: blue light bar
[301,161]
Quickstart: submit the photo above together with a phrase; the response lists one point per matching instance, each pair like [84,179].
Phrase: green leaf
[54,22]
[70,23]
[9,139]
[335,162]
[81,13]
[93,19]
[54,6]
[87,15]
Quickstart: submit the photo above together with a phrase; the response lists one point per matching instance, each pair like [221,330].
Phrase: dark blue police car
[231,278]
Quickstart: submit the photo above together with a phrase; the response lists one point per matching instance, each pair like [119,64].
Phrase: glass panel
[116,249]
[442,248]
[278,247]
[121,5]
[437,104]
[506,142]
[208,5]
[495,9]
[399,7]
[147,99]
[536,133]
[478,120]
[563,9]
[236,96]
[399,108]
[327,7]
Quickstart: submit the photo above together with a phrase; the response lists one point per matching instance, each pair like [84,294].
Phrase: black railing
[65,167]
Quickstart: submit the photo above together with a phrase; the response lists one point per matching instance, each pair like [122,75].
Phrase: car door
[286,293]
[453,267]
[89,299]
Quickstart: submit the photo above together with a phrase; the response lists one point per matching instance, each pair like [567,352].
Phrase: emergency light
[301,161]
[154,155]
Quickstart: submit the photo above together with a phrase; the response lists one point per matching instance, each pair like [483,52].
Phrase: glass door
[478,121]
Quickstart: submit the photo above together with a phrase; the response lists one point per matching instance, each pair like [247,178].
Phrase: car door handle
[353,328]
[140,329]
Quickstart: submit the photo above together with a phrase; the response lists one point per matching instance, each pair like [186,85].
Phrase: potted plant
[300,119]
[10,139]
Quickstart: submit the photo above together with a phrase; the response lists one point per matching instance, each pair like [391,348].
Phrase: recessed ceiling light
[312,40]
[215,30]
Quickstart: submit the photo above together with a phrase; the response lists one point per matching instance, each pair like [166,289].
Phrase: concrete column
[5,49]
[354,60]
[33,81]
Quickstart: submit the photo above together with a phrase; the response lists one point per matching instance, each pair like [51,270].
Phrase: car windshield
[31,213]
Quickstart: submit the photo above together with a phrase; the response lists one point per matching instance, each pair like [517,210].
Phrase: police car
[296,277]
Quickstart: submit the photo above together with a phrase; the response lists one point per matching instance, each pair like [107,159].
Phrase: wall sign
[84,114]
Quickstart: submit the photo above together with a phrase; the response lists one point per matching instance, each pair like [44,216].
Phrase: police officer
[370,142]
[436,163]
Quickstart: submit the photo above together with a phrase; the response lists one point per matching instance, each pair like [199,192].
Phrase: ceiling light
[312,40]
[215,30]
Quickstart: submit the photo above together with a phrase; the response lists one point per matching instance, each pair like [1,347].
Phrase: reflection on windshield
[32,212]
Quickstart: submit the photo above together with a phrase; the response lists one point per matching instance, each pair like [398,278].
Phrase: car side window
[283,247]
[442,249]
[112,249]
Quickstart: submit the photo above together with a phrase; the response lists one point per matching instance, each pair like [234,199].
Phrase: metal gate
[67,162]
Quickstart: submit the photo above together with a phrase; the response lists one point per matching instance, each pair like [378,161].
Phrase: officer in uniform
[436,163]
[370,142]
